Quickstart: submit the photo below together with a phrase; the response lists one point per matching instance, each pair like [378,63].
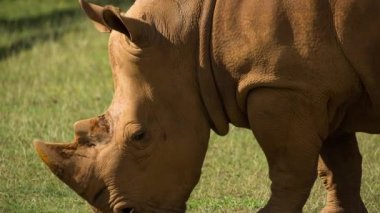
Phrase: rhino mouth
[127,210]
[137,209]
[124,209]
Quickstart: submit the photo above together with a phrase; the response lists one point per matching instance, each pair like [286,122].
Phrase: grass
[54,71]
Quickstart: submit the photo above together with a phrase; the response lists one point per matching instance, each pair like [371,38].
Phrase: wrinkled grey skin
[302,75]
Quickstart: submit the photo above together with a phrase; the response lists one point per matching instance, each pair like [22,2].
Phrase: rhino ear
[113,18]
[95,13]
[110,18]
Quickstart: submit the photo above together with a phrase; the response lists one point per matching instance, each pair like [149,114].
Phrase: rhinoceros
[303,75]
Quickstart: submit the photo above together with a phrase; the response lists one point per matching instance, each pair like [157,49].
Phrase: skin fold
[302,75]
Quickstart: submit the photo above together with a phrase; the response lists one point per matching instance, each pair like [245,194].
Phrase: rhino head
[146,151]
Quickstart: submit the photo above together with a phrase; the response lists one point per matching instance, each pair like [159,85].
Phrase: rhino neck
[208,89]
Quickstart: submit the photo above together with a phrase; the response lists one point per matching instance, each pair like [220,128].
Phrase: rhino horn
[70,165]
[54,155]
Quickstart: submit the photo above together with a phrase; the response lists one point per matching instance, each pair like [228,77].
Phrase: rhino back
[289,44]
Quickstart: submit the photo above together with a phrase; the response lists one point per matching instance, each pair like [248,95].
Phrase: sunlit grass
[59,74]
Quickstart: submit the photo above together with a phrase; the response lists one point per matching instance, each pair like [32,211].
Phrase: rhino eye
[138,136]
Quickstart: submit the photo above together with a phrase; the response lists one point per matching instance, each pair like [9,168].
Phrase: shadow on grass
[45,27]
[49,26]
[55,17]
[27,43]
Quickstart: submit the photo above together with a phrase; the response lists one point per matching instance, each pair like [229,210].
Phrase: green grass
[54,71]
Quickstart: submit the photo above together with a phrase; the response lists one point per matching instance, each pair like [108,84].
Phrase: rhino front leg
[340,168]
[287,132]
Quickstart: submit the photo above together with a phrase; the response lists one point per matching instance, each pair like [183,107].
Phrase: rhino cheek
[171,176]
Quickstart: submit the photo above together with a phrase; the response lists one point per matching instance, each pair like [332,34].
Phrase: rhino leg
[282,123]
[340,168]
